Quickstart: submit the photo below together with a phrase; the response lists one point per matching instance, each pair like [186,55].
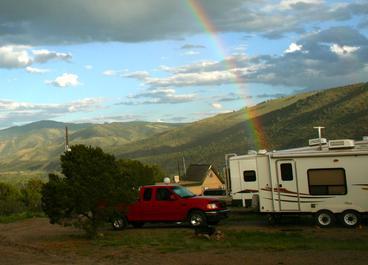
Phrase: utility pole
[67,149]
[185,168]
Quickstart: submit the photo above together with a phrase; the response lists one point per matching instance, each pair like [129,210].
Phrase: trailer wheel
[350,218]
[197,218]
[324,218]
[119,222]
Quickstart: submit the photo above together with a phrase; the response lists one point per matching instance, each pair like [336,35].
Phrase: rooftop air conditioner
[317,141]
[344,143]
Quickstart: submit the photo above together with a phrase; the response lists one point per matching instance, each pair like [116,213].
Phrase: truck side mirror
[172,197]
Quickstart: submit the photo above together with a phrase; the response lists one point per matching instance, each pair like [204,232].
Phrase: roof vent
[262,151]
[344,143]
[317,141]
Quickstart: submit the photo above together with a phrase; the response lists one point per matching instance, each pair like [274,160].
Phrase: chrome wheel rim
[350,219]
[118,223]
[324,219]
[196,220]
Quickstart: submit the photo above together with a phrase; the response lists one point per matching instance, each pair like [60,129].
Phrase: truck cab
[171,203]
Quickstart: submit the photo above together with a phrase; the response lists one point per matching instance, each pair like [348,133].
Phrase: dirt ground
[33,241]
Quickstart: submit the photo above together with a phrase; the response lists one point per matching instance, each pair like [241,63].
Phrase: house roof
[198,172]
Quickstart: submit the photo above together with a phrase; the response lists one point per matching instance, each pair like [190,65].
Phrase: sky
[171,60]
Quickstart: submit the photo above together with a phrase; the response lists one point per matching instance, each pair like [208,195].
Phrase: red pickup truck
[170,203]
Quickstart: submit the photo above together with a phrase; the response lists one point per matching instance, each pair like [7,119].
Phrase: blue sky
[153,60]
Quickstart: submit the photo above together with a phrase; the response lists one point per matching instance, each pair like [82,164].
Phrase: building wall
[197,190]
[210,182]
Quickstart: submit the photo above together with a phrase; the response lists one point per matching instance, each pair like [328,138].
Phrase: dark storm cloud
[38,22]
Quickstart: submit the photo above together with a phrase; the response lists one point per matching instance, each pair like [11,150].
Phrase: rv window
[329,181]
[286,171]
[147,195]
[249,175]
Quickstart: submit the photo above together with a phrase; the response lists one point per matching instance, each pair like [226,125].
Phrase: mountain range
[274,124]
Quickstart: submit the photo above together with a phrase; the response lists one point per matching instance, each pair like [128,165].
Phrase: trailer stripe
[293,201]
[307,197]
[247,191]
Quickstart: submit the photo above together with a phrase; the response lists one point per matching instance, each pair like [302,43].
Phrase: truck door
[287,186]
[166,206]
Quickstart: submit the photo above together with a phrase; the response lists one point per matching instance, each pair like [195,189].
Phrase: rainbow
[253,124]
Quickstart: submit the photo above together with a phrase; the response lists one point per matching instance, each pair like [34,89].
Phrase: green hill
[280,123]
[285,122]
[37,146]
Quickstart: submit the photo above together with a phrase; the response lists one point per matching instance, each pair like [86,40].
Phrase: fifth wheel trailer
[328,179]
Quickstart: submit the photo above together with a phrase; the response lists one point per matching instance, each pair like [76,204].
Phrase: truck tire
[350,218]
[119,222]
[197,218]
[324,218]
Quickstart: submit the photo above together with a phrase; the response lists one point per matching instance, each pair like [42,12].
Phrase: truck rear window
[162,194]
[147,195]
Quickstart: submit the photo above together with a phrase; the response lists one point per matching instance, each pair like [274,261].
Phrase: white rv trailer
[327,179]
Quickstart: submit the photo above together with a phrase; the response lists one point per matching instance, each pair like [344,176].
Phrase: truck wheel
[324,218]
[197,218]
[119,222]
[350,218]
[137,224]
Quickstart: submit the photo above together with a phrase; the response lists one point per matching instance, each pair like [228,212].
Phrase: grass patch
[185,240]
[5,219]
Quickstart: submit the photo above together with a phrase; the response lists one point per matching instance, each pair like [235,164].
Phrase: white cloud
[287,4]
[65,80]
[193,79]
[110,119]
[158,96]
[192,46]
[111,72]
[14,56]
[343,50]
[43,56]
[293,47]
[34,70]
[21,56]
[191,53]
[12,112]
[140,75]
[88,67]
[216,105]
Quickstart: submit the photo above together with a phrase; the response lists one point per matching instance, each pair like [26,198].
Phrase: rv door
[287,190]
